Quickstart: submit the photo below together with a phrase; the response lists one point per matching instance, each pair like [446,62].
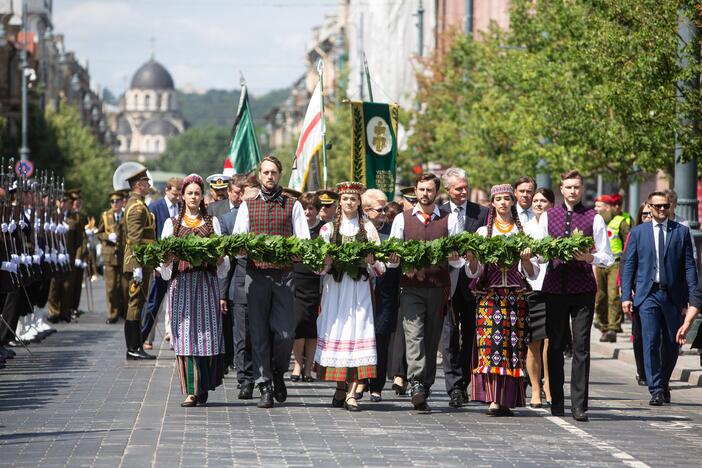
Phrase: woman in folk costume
[193,299]
[345,333]
[502,332]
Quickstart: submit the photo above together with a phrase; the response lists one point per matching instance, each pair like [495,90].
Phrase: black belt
[659,287]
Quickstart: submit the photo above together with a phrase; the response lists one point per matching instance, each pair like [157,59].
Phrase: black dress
[307,295]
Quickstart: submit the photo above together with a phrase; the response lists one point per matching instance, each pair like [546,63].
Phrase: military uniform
[608,302]
[112,241]
[59,304]
[140,228]
[78,251]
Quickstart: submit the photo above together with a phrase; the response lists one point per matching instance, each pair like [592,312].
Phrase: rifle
[8,267]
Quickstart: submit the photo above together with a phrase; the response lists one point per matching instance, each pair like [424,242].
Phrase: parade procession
[456,233]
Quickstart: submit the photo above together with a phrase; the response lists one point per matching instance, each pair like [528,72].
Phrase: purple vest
[571,277]
[273,218]
[436,276]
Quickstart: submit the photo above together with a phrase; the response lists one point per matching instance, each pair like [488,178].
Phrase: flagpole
[368,81]
[320,70]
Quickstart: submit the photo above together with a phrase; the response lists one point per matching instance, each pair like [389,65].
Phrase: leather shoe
[189,402]
[139,354]
[266,400]
[202,399]
[557,411]
[423,408]
[666,395]
[580,415]
[641,381]
[656,400]
[280,392]
[419,394]
[110,321]
[456,400]
[53,318]
[246,392]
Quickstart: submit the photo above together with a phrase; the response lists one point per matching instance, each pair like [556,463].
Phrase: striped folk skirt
[345,332]
[196,328]
[501,340]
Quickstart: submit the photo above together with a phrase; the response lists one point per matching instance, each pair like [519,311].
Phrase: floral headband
[350,187]
[193,179]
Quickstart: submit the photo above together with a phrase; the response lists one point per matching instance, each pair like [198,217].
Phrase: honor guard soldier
[112,241]
[409,197]
[78,249]
[140,228]
[329,198]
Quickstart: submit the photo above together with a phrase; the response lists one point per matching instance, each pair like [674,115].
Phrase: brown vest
[436,276]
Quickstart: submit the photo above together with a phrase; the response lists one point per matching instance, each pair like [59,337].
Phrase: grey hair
[453,173]
[371,195]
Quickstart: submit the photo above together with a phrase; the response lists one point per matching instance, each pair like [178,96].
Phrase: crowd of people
[496,327]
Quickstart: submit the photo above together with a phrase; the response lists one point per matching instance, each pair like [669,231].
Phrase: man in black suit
[459,324]
[233,291]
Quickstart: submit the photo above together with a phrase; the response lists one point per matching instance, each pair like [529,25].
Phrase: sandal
[351,407]
[339,402]
[189,402]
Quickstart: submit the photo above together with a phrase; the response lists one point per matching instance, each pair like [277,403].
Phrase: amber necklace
[191,221]
[503,227]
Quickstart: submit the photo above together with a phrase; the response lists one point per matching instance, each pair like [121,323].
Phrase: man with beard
[270,296]
[423,293]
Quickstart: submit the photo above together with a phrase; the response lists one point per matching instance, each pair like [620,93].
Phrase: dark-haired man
[423,293]
[570,289]
[524,189]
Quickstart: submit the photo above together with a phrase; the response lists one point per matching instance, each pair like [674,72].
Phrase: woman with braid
[502,332]
[345,333]
[193,299]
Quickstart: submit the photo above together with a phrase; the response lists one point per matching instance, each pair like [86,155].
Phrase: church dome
[152,75]
[159,126]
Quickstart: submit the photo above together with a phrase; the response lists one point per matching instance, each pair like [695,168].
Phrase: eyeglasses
[662,206]
[646,214]
[379,210]
[115,201]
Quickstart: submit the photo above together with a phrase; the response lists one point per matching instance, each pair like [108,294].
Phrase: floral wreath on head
[193,179]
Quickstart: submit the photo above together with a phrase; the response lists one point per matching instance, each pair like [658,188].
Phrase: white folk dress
[345,333]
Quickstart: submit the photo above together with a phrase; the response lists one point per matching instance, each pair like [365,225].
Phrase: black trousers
[457,336]
[561,309]
[15,305]
[382,346]
[397,360]
[638,344]
[241,342]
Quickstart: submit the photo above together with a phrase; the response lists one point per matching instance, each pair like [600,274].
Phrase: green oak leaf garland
[349,257]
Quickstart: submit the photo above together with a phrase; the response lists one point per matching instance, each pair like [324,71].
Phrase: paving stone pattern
[75,401]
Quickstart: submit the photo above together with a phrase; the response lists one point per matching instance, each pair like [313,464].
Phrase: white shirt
[524,215]
[534,229]
[398,232]
[172,208]
[300,228]
[656,229]
[453,224]
[349,227]
[167,268]
[602,257]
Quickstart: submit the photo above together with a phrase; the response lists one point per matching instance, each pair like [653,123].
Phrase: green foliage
[349,257]
[85,163]
[575,83]
[199,149]
[218,107]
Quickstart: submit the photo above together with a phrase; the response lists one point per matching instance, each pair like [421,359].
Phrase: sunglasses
[115,201]
[645,214]
[379,210]
[662,206]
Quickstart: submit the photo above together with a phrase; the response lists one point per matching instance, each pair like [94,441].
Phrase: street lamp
[24,149]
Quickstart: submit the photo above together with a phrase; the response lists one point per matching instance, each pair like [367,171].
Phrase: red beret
[605,199]
[616,199]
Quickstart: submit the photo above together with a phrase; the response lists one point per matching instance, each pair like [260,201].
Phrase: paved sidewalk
[76,402]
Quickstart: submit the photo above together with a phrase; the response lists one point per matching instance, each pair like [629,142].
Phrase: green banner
[374,145]
[244,152]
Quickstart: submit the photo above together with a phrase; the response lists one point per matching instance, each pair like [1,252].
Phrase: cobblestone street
[75,401]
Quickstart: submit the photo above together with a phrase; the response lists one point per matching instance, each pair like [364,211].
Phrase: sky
[203,43]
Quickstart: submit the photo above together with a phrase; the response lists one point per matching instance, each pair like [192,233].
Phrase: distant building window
[147,102]
[136,101]
[165,101]
[158,102]
[157,145]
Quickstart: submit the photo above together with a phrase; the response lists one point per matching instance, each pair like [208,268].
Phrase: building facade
[148,114]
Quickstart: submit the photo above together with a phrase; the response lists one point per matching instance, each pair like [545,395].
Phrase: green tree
[575,83]
[87,164]
[199,149]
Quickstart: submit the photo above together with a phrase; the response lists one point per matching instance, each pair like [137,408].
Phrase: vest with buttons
[573,277]
[272,218]
[436,276]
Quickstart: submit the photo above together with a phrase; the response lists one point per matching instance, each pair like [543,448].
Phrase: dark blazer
[218,208]
[475,217]
[236,285]
[160,210]
[639,264]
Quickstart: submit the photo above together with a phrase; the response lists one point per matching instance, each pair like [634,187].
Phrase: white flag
[305,172]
